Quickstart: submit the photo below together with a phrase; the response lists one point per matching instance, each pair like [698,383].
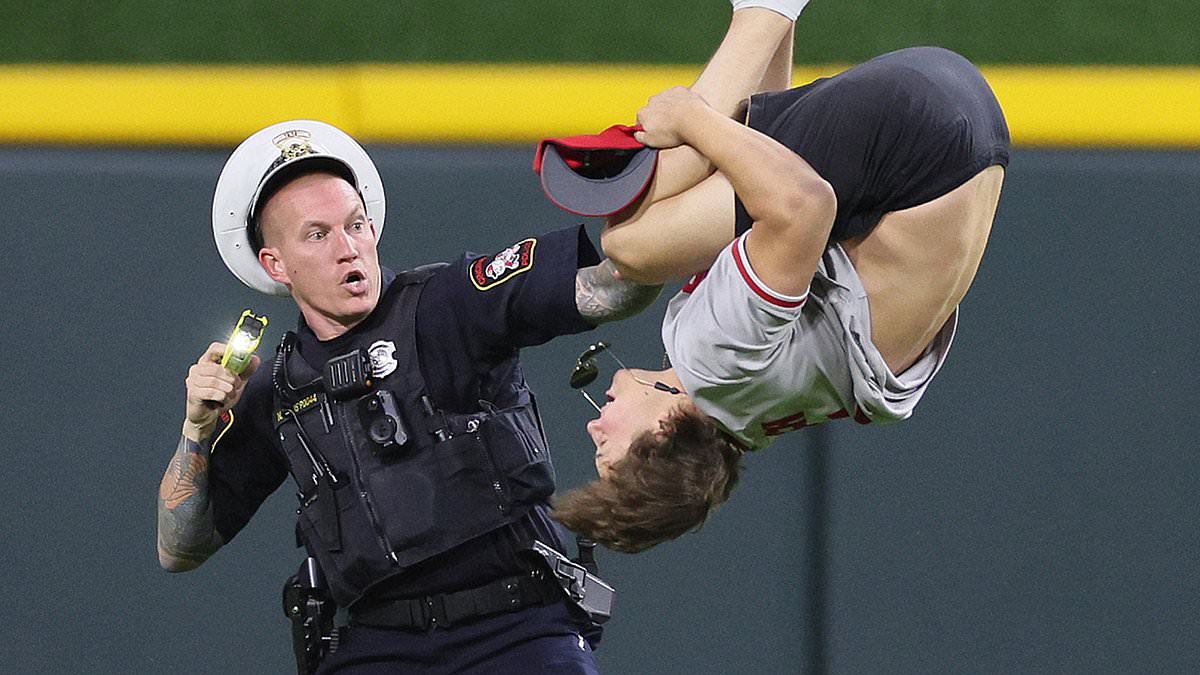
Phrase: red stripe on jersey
[783,425]
[694,282]
[763,293]
[860,416]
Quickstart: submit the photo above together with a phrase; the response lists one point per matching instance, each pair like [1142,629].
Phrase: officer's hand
[212,389]
[665,117]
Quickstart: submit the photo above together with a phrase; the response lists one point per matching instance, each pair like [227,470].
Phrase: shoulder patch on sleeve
[491,271]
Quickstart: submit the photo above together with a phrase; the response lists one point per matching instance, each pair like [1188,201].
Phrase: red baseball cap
[595,175]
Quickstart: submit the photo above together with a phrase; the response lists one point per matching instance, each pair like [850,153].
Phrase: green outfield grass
[609,31]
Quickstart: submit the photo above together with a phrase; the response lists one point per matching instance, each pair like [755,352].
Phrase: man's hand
[211,390]
[665,117]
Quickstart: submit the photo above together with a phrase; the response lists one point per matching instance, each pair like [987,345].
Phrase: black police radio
[348,376]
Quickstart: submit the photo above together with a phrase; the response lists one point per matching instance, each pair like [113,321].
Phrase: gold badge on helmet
[293,143]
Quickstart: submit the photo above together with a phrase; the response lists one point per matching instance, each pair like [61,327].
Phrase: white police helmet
[263,163]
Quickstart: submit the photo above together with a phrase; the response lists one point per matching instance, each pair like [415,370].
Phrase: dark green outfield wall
[651,31]
[1037,515]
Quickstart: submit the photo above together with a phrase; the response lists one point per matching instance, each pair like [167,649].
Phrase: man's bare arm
[755,55]
[792,205]
[602,296]
[186,536]
[778,76]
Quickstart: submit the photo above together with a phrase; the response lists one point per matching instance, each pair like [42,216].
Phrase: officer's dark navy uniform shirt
[467,341]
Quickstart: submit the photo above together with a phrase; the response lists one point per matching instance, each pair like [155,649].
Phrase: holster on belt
[311,610]
[584,590]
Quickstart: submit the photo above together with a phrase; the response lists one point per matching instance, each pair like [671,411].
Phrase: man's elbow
[173,564]
[179,561]
[633,262]
[808,202]
[811,195]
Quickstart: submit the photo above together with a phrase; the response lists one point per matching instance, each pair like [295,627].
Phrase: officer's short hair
[665,486]
[285,177]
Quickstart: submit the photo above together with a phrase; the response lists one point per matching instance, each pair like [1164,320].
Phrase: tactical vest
[370,509]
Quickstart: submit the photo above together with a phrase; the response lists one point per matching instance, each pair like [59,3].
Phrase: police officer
[399,409]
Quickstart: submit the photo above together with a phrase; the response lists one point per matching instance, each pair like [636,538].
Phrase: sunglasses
[585,372]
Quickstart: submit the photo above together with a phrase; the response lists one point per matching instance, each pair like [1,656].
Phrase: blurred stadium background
[1038,514]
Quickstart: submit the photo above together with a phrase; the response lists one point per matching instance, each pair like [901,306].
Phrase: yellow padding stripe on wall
[219,105]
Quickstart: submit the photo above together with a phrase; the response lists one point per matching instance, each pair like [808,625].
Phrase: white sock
[789,8]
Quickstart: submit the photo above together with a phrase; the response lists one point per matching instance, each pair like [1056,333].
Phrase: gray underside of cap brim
[595,196]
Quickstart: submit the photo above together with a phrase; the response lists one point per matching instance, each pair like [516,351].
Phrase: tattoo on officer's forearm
[601,296]
[185,527]
[187,469]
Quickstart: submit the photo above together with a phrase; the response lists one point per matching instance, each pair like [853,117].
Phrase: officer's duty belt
[446,609]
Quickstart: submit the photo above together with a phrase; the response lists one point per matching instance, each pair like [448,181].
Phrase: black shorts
[897,131]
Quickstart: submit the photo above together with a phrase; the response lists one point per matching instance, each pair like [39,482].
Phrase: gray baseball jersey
[762,364]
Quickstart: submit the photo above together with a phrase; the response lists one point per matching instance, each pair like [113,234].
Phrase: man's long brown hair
[665,486]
